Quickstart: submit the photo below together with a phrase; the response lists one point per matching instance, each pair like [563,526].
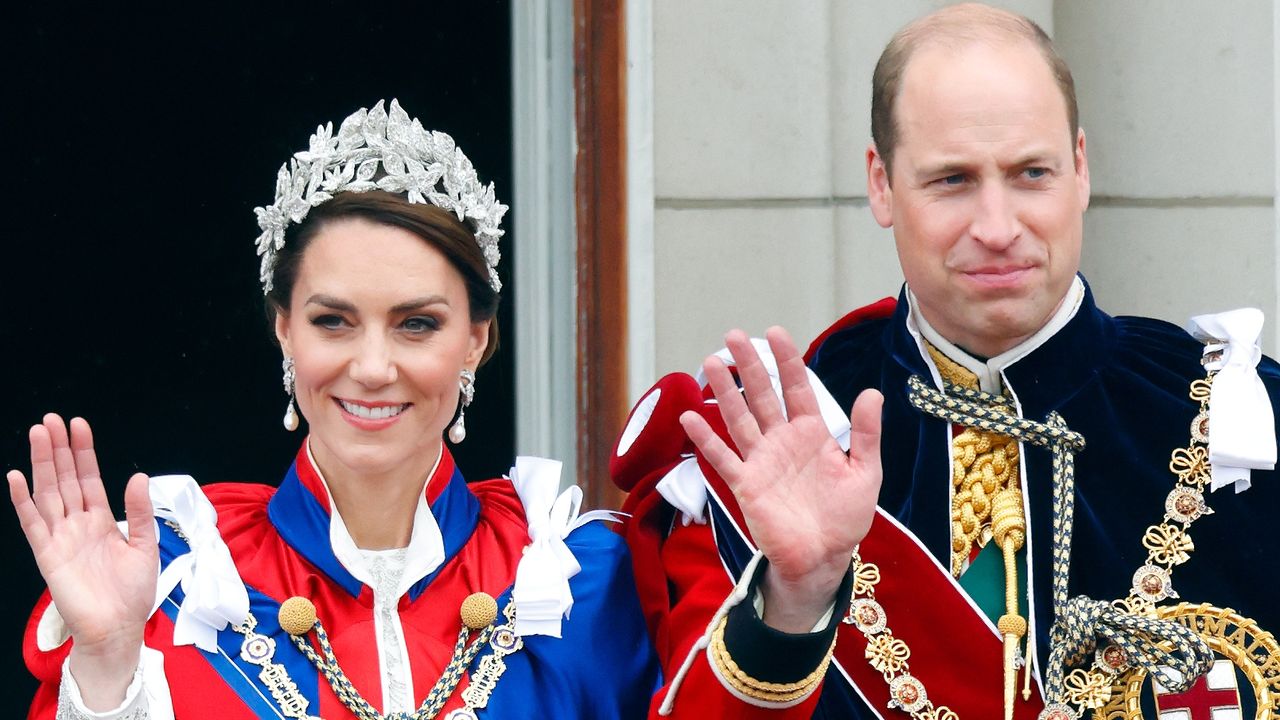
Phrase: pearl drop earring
[290,412]
[467,387]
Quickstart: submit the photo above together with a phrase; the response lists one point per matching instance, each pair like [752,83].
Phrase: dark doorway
[138,144]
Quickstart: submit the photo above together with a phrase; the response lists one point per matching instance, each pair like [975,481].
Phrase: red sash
[955,650]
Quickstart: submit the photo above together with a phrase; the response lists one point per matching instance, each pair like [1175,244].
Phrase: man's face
[987,195]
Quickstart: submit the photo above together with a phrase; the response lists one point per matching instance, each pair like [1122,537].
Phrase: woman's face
[379,329]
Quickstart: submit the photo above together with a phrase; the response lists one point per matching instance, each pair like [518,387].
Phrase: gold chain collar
[1168,545]
[258,649]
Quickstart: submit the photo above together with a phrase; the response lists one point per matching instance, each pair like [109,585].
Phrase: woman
[374,582]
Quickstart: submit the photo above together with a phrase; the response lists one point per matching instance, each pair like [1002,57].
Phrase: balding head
[955,27]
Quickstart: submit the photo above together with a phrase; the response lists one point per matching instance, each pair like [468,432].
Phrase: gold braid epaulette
[759,689]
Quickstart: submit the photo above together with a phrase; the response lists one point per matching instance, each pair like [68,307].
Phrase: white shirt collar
[424,553]
[989,374]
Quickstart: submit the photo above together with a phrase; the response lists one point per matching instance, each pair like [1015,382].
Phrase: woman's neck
[377,509]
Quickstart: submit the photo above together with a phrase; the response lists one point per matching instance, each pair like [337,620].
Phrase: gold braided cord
[1136,615]
[986,503]
[463,655]
[983,463]
[1009,527]
[759,689]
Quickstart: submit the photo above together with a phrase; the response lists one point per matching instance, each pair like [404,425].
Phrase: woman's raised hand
[806,503]
[102,582]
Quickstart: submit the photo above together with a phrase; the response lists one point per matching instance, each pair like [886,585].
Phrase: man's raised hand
[807,504]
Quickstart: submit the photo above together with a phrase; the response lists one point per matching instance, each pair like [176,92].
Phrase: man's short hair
[955,27]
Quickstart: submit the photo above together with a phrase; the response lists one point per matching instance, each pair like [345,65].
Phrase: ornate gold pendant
[260,650]
[489,670]
[1243,650]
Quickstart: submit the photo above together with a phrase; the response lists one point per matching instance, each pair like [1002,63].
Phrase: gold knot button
[479,610]
[297,615]
[1012,625]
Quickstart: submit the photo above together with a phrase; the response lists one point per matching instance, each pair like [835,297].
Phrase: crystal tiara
[424,166]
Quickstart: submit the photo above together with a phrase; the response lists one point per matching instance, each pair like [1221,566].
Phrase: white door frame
[544,146]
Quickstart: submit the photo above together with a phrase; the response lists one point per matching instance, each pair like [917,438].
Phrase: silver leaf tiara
[424,166]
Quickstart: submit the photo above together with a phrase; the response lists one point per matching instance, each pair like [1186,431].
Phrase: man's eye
[328,322]
[420,324]
[952,180]
[1035,173]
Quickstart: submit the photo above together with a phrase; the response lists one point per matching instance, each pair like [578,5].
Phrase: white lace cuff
[146,698]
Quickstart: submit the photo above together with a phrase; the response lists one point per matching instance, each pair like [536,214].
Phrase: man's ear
[879,192]
[1082,170]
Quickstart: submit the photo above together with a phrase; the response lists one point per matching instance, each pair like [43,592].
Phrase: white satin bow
[541,593]
[215,595]
[1242,432]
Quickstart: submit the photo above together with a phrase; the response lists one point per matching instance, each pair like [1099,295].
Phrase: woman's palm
[101,580]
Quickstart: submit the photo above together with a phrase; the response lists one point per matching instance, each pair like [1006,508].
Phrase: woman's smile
[371,415]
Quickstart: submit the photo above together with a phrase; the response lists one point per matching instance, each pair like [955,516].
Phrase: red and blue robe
[279,541]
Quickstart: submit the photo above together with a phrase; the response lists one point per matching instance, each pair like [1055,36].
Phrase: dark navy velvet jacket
[1120,381]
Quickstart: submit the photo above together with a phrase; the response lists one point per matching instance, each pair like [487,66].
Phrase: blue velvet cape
[1120,381]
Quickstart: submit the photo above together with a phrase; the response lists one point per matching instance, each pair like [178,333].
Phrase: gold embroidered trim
[759,689]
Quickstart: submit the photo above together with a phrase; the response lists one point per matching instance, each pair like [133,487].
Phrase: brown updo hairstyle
[437,227]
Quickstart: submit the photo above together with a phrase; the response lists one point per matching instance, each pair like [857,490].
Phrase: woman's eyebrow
[330,302]
[419,303]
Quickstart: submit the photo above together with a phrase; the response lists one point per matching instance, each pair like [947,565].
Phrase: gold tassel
[1009,529]
[985,488]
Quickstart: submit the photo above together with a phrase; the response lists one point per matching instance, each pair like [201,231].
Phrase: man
[1044,454]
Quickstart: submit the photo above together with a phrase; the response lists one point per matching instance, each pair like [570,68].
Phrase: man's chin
[1004,328]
